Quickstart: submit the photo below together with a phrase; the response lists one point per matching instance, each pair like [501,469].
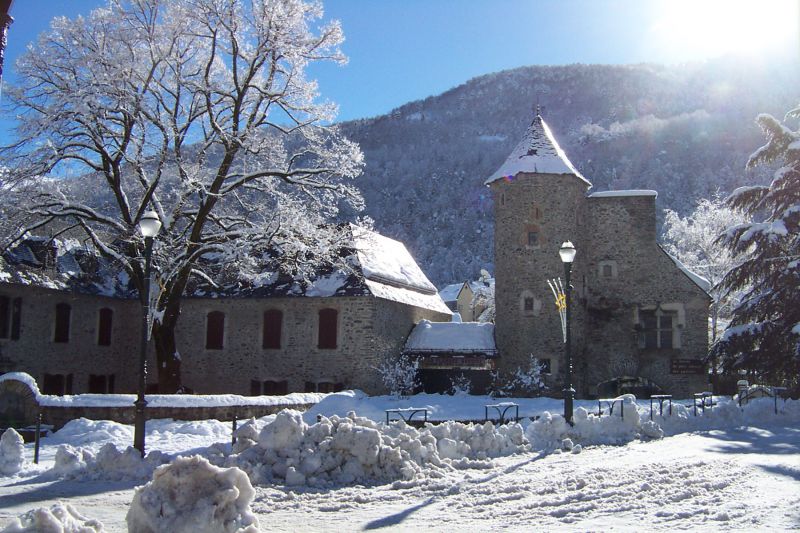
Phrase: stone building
[638,317]
[69,319]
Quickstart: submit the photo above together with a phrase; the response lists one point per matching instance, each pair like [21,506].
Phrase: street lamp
[149,225]
[567,253]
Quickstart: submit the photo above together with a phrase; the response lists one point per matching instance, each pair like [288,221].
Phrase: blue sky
[403,50]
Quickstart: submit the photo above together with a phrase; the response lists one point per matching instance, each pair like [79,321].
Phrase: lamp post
[149,225]
[567,253]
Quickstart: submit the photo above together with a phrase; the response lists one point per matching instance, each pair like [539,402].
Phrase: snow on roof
[387,261]
[624,193]
[408,296]
[451,337]
[700,281]
[450,292]
[538,153]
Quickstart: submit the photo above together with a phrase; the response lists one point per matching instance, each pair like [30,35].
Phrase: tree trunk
[167,355]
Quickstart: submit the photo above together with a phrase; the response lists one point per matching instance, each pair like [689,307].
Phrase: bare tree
[197,109]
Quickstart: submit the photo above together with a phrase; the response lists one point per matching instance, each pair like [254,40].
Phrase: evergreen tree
[764,335]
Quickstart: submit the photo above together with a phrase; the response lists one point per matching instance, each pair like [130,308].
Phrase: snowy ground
[727,470]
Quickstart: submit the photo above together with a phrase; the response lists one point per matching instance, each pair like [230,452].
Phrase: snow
[12,452]
[407,296]
[160,400]
[190,495]
[700,281]
[450,292]
[387,261]
[451,336]
[538,152]
[60,518]
[728,468]
[624,193]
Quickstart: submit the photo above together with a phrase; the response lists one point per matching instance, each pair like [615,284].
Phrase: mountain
[684,130]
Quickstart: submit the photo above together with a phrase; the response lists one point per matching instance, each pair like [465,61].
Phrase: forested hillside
[685,131]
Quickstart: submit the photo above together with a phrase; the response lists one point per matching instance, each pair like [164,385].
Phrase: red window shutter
[104,327]
[328,319]
[63,312]
[215,330]
[273,320]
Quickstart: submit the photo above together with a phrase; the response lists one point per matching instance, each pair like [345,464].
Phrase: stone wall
[369,330]
[643,276]
[553,206]
[36,353]
[19,408]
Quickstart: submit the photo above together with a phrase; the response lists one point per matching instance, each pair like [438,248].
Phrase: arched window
[63,312]
[328,325]
[273,321]
[215,330]
[104,321]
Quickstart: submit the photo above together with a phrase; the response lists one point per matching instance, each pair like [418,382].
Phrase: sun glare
[708,28]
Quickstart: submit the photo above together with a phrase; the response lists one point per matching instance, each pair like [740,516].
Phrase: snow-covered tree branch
[197,109]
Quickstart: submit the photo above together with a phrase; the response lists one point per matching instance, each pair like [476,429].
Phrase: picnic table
[611,403]
[660,398]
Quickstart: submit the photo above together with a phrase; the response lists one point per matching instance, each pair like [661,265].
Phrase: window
[269,388]
[533,238]
[545,365]
[503,199]
[16,318]
[323,386]
[100,384]
[104,321]
[276,388]
[57,384]
[528,304]
[10,317]
[271,335]
[657,328]
[215,330]
[63,312]
[328,325]
[607,269]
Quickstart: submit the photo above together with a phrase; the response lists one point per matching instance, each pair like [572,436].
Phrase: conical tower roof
[537,153]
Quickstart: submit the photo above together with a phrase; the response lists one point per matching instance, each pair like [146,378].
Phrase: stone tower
[539,202]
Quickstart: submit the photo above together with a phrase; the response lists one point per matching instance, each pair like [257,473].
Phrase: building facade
[638,317]
[68,320]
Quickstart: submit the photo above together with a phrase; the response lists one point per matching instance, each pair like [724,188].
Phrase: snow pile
[108,464]
[60,518]
[192,495]
[345,450]
[12,452]
[549,432]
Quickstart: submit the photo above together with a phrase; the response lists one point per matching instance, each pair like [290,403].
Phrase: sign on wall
[687,366]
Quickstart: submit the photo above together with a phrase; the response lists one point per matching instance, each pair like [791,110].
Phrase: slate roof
[378,266]
[537,153]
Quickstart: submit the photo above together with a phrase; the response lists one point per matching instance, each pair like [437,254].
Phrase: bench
[502,409]
[406,414]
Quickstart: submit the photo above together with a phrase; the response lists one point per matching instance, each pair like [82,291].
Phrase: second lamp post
[567,253]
